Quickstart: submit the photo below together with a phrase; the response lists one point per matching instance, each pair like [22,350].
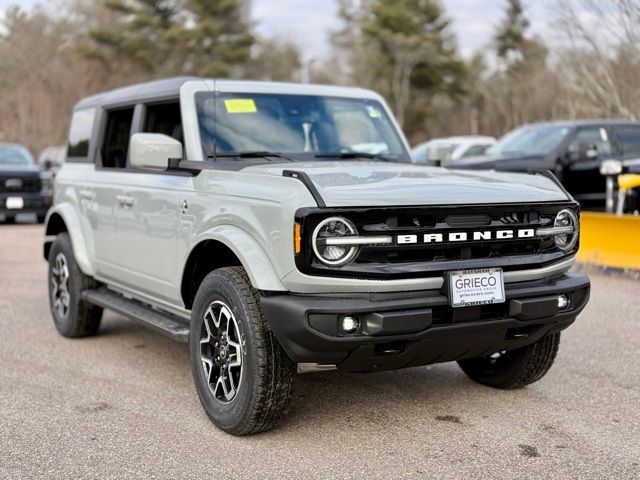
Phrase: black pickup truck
[572,150]
[24,187]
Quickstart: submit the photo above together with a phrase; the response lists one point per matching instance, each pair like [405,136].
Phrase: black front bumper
[404,329]
[38,203]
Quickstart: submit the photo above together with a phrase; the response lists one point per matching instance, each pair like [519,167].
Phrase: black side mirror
[47,164]
[587,151]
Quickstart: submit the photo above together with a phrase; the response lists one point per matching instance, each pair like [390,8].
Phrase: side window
[166,119]
[80,134]
[629,138]
[596,136]
[475,150]
[116,138]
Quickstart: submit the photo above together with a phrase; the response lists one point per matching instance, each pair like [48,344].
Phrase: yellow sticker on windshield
[240,105]
[373,112]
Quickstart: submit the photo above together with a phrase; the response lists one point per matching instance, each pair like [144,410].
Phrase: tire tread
[531,364]
[88,317]
[271,399]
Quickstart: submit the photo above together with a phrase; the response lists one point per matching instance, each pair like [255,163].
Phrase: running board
[174,327]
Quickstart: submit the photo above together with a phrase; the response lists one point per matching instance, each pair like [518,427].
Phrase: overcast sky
[309,22]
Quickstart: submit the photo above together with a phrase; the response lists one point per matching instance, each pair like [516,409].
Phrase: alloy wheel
[60,283]
[221,351]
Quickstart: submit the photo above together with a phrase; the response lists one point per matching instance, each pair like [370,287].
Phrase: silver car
[281,228]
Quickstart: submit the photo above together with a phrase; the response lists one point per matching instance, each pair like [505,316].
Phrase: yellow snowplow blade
[610,240]
[628,181]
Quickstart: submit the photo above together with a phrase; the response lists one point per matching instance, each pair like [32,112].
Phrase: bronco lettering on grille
[476,236]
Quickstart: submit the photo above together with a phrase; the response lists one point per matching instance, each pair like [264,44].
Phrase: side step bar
[174,327]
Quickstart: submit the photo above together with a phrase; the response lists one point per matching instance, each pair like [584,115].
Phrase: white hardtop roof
[170,87]
[464,139]
[459,139]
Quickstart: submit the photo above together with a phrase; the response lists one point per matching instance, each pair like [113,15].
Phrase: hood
[20,170]
[350,184]
[514,163]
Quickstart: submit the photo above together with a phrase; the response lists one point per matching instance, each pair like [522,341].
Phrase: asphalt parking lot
[122,404]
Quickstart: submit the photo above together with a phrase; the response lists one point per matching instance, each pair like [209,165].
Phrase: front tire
[72,316]
[243,377]
[514,368]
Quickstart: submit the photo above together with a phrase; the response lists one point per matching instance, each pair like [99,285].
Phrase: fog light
[563,302]
[350,324]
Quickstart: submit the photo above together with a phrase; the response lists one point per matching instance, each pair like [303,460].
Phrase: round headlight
[566,218]
[334,228]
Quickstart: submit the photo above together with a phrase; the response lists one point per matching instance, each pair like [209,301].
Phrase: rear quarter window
[80,134]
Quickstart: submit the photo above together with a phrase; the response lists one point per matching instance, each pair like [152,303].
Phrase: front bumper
[404,329]
[38,203]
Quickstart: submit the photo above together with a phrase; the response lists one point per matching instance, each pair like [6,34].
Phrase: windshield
[530,140]
[296,125]
[15,156]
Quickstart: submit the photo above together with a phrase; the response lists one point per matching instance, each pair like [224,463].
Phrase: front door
[147,228]
[582,178]
[149,207]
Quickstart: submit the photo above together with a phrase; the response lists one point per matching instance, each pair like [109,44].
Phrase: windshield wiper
[354,156]
[253,154]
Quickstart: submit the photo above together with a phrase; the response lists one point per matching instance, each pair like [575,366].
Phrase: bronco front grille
[417,258]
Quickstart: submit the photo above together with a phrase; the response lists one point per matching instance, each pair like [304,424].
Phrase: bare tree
[602,59]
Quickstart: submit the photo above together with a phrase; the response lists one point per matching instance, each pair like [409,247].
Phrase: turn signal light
[297,239]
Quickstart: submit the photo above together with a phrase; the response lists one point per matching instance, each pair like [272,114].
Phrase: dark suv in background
[24,187]
[572,150]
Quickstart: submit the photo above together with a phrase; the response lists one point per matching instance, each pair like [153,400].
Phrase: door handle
[86,194]
[126,201]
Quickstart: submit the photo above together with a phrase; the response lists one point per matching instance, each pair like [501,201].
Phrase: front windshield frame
[390,144]
[530,140]
[21,156]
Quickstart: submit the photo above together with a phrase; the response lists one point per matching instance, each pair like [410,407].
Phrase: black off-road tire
[81,319]
[9,220]
[40,218]
[514,368]
[264,393]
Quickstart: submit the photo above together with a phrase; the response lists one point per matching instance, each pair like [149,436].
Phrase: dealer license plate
[15,203]
[476,287]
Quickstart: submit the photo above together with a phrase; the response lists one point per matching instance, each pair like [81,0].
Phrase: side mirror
[153,150]
[47,164]
[587,151]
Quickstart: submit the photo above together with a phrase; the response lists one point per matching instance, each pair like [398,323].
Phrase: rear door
[110,165]
[75,184]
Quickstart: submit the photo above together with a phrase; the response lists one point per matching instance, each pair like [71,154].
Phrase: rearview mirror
[153,150]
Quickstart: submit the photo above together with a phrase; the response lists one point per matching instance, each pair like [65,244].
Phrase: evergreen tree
[218,40]
[524,59]
[411,56]
[140,36]
[175,37]
[510,37]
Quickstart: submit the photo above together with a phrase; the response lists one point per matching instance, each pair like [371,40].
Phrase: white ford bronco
[281,228]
